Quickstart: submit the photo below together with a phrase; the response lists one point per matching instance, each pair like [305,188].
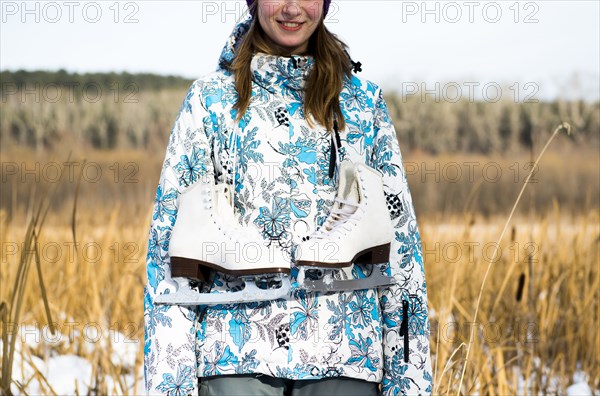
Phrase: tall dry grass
[94,287]
[538,314]
[544,327]
[533,341]
[441,185]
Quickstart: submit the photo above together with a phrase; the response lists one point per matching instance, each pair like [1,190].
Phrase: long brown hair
[322,90]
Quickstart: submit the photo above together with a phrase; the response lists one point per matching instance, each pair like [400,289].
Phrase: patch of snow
[580,385]
[579,389]
[432,313]
[68,373]
[124,349]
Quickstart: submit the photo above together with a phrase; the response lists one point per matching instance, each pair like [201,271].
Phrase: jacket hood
[235,38]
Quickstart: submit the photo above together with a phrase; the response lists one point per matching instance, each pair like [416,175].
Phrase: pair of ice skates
[357,231]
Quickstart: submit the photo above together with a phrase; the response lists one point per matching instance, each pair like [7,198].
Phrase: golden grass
[94,285]
[552,325]
[536,326]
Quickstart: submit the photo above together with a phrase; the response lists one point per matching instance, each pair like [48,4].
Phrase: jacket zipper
[404,328]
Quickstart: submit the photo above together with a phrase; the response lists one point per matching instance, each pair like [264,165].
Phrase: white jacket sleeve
[407,361]
[170,331]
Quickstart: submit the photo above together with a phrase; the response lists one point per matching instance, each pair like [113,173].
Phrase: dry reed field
[73,271]
[511,315]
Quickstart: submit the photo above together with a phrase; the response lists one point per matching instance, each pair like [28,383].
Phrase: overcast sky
[536,48]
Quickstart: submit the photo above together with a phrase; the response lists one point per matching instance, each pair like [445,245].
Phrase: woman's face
[288,24]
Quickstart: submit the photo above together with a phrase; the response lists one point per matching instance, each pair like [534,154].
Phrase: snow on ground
[580,386]
[579,389]
[70,374]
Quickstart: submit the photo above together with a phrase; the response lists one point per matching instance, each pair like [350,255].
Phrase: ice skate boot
[207,237]
[358,231]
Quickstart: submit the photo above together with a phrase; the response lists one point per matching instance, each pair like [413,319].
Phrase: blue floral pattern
[279,167]
[179,385]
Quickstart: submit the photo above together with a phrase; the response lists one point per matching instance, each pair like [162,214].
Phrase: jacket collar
[274,73]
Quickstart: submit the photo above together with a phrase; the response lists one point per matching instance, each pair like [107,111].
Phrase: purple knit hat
[325,5]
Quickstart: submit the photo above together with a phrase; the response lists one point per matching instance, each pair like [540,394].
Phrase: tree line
[122,110]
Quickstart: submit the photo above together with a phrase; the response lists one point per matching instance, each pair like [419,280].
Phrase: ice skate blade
[372,282]
[251,293]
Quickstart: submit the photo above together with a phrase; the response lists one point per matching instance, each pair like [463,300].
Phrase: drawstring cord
[404,329]
[336,142]
[234,153]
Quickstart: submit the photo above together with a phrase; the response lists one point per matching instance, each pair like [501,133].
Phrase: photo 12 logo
[471,91]
[69,11]
[71,171]
[469,11]
[68,92]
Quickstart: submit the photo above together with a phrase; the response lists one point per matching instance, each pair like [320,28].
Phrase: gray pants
[264,385]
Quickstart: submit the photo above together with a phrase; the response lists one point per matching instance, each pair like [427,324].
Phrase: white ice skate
[207,237]
[358,231]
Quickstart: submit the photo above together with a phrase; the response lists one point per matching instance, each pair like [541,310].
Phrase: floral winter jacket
[283,190]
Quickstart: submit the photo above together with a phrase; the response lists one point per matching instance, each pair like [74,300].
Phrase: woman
[283,82]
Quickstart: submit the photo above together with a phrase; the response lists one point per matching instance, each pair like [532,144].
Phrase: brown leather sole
[375,255]
[200,270]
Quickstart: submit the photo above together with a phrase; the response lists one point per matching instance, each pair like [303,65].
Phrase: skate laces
[233,231]
[343,214]
[225,216]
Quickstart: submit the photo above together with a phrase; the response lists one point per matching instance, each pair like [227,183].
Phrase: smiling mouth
[290,24]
